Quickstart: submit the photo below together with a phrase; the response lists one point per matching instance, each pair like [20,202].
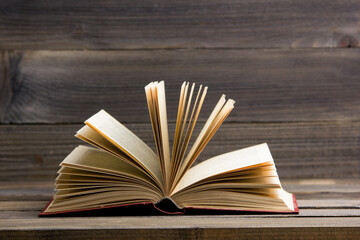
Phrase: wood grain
[184,227]
[300,150]
[178,24]
[322,233]
[333,217]
[5,84]
[267,85]
[281,60]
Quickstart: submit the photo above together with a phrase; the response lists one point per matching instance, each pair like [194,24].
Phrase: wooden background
[291,66]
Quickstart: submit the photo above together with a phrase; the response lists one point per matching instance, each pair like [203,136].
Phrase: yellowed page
[191,125]
[214,126]
[72,174]
[118,196]
[64,193]
[82,172]
[225,163]
[150,95]
[96,159]
[178,123]
[127,141]
[182,125]
[85,178]
[214,122]
[165,147]
[204,129]
[277,200]
[184,143]
[91,136]
[156,100]
[184,121]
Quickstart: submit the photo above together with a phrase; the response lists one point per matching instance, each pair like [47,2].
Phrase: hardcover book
[121,172]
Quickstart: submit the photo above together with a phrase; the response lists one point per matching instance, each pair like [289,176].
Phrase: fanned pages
[122,171]
[126,141]
[155,95]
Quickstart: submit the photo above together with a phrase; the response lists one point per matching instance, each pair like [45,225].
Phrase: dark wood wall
[293,68]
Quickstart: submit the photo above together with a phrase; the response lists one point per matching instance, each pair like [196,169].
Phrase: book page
[225,163]
[156,100]
[91,136]
[213,123]
[278,200]
[96,159]
[182,142]
[178,121]
[127,141]
[163,127]
[119,187]
[117,196]
[89,178]
[94,138]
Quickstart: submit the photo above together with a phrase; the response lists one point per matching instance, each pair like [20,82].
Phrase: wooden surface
[291,66]
[322,215]
[131,24]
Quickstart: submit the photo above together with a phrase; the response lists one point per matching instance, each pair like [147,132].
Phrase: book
[118,170]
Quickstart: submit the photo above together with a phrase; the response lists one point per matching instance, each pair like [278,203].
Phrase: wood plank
[183,227]
[332,186]
[320,219]
[315,233]
[190,233]
[300,150]
[178,24]
[13,206]
[338,203]
[267,85]
[174,222]
[5,84]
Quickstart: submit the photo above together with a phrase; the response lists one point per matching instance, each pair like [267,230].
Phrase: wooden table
[328,209]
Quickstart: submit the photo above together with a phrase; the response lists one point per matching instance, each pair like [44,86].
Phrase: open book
[123,171]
